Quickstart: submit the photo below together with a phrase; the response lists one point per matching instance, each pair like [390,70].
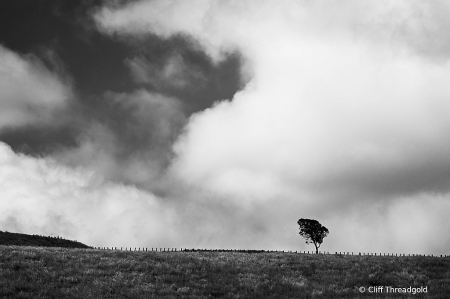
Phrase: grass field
[42,272]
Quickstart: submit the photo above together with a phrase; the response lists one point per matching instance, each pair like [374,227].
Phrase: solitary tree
[312,231]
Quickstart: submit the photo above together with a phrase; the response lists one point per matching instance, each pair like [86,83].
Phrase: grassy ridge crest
[7,238]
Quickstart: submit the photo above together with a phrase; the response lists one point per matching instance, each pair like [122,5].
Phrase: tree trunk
[317,248]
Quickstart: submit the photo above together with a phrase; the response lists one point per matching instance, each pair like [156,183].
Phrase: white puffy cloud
[327,107]
[29,92]
[39,196]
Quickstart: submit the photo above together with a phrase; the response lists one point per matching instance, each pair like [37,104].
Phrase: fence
[348,253]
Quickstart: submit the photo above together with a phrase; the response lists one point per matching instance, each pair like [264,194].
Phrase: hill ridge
[19,239]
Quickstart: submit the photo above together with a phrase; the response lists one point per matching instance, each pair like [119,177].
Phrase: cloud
[40,196]
[29,92]
[336,115]
[418,26]
[174,73]
[344,118]
[346,110]
[131,141]
[144,17]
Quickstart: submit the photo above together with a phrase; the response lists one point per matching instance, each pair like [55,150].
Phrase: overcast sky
[218,124]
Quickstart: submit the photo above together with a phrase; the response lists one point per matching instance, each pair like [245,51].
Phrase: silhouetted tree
[312,231]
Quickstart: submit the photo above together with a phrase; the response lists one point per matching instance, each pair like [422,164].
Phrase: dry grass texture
[41,272]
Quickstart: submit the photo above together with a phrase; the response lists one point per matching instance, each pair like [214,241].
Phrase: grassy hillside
[7,238]
[40,272]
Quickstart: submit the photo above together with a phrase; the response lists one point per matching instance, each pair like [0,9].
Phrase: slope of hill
[7,238]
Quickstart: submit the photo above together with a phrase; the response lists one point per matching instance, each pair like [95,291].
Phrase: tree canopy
[312,231]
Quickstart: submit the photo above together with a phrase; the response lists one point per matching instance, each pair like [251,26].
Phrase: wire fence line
[172,249]
[340,253]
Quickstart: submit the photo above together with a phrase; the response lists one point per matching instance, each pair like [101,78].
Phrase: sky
[218,124]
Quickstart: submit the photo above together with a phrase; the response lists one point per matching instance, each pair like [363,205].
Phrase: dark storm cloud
[177,66]
[39,139]
[63,36]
